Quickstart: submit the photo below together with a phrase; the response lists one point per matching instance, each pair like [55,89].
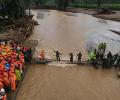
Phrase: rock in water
[118,74]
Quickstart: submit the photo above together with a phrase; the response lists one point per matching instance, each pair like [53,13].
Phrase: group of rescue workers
[95,57]
[99,57]
[13,58]
[58,54]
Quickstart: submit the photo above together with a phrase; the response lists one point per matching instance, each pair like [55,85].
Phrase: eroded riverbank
[114,17]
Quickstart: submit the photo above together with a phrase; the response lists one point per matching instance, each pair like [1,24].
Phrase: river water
[73,32]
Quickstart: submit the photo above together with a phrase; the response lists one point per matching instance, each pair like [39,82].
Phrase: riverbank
[19,31]
[113,17]
[30,44]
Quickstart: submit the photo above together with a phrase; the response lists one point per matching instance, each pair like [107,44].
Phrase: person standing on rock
[104,63]
[98,57]
[57,55]
[42,55]
[79,55]
[71,57]
[109,59]
[117,65]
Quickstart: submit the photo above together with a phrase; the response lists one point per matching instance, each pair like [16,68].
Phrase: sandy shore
[113,17]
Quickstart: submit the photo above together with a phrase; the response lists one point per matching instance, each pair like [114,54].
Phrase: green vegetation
[15,9]
[12,10]
[113,4]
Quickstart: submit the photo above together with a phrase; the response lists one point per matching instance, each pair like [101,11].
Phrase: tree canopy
[13,8]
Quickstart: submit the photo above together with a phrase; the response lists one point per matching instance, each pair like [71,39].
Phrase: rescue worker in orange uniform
[6,81]
[1,85]
[2,69]
[42,55]
[13,81]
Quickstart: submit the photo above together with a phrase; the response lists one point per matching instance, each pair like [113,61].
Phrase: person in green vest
[18,75]
[92,58]
[92,55]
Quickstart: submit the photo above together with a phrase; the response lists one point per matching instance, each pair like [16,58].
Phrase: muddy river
[71,32]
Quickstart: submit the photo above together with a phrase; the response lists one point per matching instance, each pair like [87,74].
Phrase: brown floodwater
[69,83]
[71,32]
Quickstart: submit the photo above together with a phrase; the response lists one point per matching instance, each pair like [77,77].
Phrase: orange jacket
[12,77]
[2,67]
[6,81]
[1,85]
[4,97]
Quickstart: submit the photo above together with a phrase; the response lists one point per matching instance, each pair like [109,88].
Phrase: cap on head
[2,90]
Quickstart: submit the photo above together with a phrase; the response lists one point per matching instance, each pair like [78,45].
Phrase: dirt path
[69,83]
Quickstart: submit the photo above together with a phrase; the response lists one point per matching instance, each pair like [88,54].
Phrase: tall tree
[99,3]
[14,9]
[62,4]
